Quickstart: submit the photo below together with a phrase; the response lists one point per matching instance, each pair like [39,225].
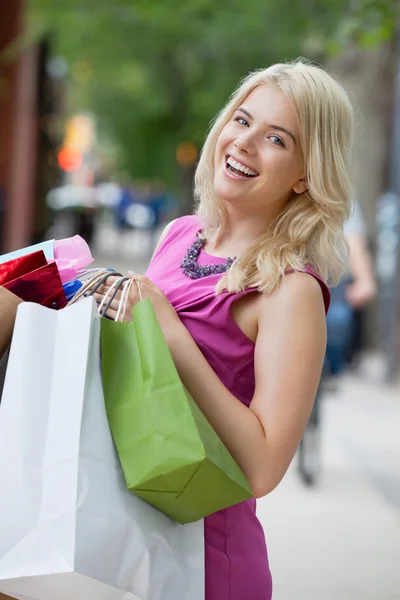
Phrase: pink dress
[236,559]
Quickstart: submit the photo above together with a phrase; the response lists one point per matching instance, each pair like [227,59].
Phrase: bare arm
[288,360]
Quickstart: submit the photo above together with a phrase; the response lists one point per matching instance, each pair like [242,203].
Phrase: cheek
[224,140]
[280,166]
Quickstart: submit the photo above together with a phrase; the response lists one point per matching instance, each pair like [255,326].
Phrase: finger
[110,280]
[134,288]
[108,308]
[111,283]
[103,290]
[111,313]
[139,279]
[100,299]
[105,283]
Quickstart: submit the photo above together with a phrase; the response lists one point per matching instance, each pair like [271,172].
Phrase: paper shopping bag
[47,247]
[170,454]
[13,269]
[69,528]
[42,286]
[3,371]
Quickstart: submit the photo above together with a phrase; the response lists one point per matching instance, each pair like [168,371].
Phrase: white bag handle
[137,279]
[114,287]
[139,288]
[85,287]
[83,272]
[96,279]
[124,298]
[120,316]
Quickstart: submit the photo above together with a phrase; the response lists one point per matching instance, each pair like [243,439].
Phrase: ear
[300,186]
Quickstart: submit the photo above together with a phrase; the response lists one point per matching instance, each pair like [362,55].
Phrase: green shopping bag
[170,455]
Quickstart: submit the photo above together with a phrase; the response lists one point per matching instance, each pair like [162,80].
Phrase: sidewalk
[341,540]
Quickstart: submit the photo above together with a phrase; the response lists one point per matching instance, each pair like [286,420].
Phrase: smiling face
[258,159]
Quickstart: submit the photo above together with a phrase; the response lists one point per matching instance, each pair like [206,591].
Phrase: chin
[226,191]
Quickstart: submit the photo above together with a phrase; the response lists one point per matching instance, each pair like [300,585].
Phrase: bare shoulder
[298,293]
[302,286]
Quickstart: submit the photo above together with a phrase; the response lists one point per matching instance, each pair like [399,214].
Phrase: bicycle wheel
[309,456]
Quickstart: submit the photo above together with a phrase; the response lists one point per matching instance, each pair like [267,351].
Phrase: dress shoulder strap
[180,236]
[189,224]
[326,294]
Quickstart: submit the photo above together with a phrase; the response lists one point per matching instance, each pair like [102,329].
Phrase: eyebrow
[271,125]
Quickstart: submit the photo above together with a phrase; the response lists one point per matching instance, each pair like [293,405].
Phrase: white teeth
[239,167]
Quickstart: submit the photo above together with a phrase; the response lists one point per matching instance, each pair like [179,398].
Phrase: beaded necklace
[191,267]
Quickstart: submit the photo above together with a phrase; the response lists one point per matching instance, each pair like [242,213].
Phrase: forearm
[237,426]
[360,262]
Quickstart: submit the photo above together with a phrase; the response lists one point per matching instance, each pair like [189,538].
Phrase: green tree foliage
[155,72]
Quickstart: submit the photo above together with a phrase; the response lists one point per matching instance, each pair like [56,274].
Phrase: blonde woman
[239,289]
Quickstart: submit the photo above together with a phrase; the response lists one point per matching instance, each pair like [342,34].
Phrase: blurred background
[103,111]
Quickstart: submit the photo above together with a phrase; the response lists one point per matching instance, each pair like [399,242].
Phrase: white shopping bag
[69,529]
[47,247]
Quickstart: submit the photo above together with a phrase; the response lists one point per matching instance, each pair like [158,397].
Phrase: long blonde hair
[310,228]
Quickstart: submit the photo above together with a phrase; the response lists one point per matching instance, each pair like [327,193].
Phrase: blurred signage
[79,133]
[77,144]
[69,159]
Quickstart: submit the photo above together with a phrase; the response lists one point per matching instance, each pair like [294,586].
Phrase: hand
[165,312]
[359,293]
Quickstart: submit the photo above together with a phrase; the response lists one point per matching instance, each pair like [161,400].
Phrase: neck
[240,231]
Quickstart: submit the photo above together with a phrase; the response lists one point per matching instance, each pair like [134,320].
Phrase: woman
[237,289]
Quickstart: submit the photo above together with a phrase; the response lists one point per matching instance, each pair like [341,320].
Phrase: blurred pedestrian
[240,294]
[161,202]
[125,200]
[362,288]
[158,199]
[86,205]
[349,299]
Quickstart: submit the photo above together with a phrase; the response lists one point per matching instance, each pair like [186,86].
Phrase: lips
[238,169]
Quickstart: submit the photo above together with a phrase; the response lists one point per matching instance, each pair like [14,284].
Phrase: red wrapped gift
[12,269]
[42,286]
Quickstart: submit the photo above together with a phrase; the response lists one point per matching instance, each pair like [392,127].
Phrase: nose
[245,143]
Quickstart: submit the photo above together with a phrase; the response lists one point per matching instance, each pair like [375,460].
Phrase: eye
[242,121]
[276,140]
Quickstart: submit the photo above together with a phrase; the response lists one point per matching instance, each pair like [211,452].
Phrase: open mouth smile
[238,170]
